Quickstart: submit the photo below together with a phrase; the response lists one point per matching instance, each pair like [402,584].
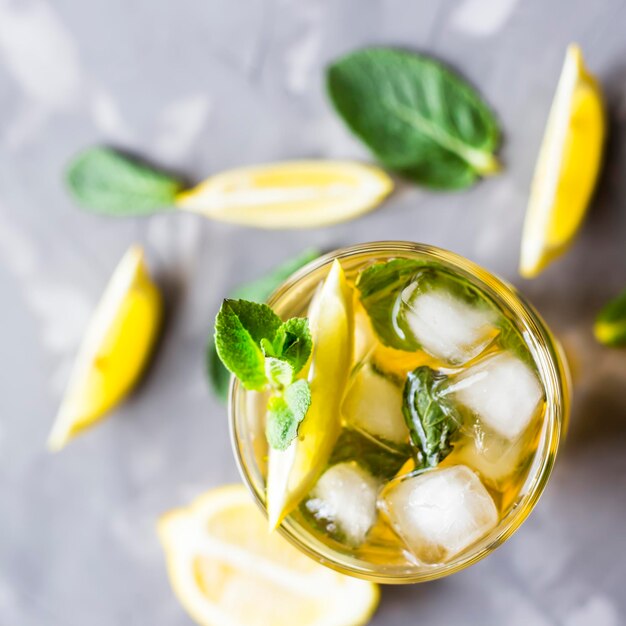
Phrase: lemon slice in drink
[292,472]
[114,349]
[567,168]
[298,194]
[227,570]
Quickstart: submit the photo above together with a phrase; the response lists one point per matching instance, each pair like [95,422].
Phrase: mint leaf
[279,373]
[284,414]
[293,342]
[380,287]
[256,291]
[418,117]
[380,461]
[610,325]
[105,181]
[239,328]
[432,421]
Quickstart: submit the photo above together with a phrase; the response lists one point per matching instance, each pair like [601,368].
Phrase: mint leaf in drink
[259,349]
[380,287]
[288,353]
[240,326]
[256,291]
[383,462]
[284,414]
[293,342]
[431,420]
[417,116]
[610,325]
[105,181]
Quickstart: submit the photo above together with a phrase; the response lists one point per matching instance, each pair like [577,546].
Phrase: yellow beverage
[450,416]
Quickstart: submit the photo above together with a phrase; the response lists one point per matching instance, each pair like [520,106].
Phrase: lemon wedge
[227,570]
[567,168]
[114,350]
[292,472]
[298,194]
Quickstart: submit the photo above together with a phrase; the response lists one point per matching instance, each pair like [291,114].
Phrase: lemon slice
[298,194]
[114,349]
[227,570]
[567,168]
[292,472]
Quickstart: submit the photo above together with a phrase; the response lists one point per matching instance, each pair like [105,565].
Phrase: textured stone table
[201,86]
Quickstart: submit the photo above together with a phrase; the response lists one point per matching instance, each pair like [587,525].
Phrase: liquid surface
[378,499]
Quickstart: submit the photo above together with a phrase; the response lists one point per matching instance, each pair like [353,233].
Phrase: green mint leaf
[239,328]
[105,181]
[279,373]
[380,288]
[610,324]
[418,117]
[284,414]
[431,420]
[256,291]
[293,342]
[380,461]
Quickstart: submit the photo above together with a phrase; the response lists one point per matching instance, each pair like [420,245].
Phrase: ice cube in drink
[443,323]
[440,512]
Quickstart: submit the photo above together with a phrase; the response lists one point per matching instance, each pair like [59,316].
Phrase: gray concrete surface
[202,86]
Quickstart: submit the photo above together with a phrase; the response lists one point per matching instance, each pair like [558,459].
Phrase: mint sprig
[240,327]
[256,291]
[264,352]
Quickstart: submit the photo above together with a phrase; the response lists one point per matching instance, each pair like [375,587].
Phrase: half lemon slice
[292,472]
[114,350]
[567,168]
[297,194]
[227,570]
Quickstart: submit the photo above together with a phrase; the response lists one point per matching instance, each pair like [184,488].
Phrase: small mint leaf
[239,328]
[293,342]
[279,373]
[432,421]
[284,414]
[105,181]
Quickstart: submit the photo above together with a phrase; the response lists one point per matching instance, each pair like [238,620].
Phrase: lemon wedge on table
[296,194]
[227,570]
[292,472]
[567,168]
[114,350]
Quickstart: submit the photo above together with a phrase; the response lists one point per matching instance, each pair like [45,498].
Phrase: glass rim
[553,368]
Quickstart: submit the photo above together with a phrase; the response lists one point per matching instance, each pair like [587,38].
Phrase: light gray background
[200,86]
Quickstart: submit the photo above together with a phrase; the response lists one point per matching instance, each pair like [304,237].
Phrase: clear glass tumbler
[292,299]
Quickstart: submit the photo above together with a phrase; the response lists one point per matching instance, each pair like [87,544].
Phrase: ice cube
[344,498]
[502,391]
[439,513]
[365,340]
[446,326]
[499,462]
[373,403]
